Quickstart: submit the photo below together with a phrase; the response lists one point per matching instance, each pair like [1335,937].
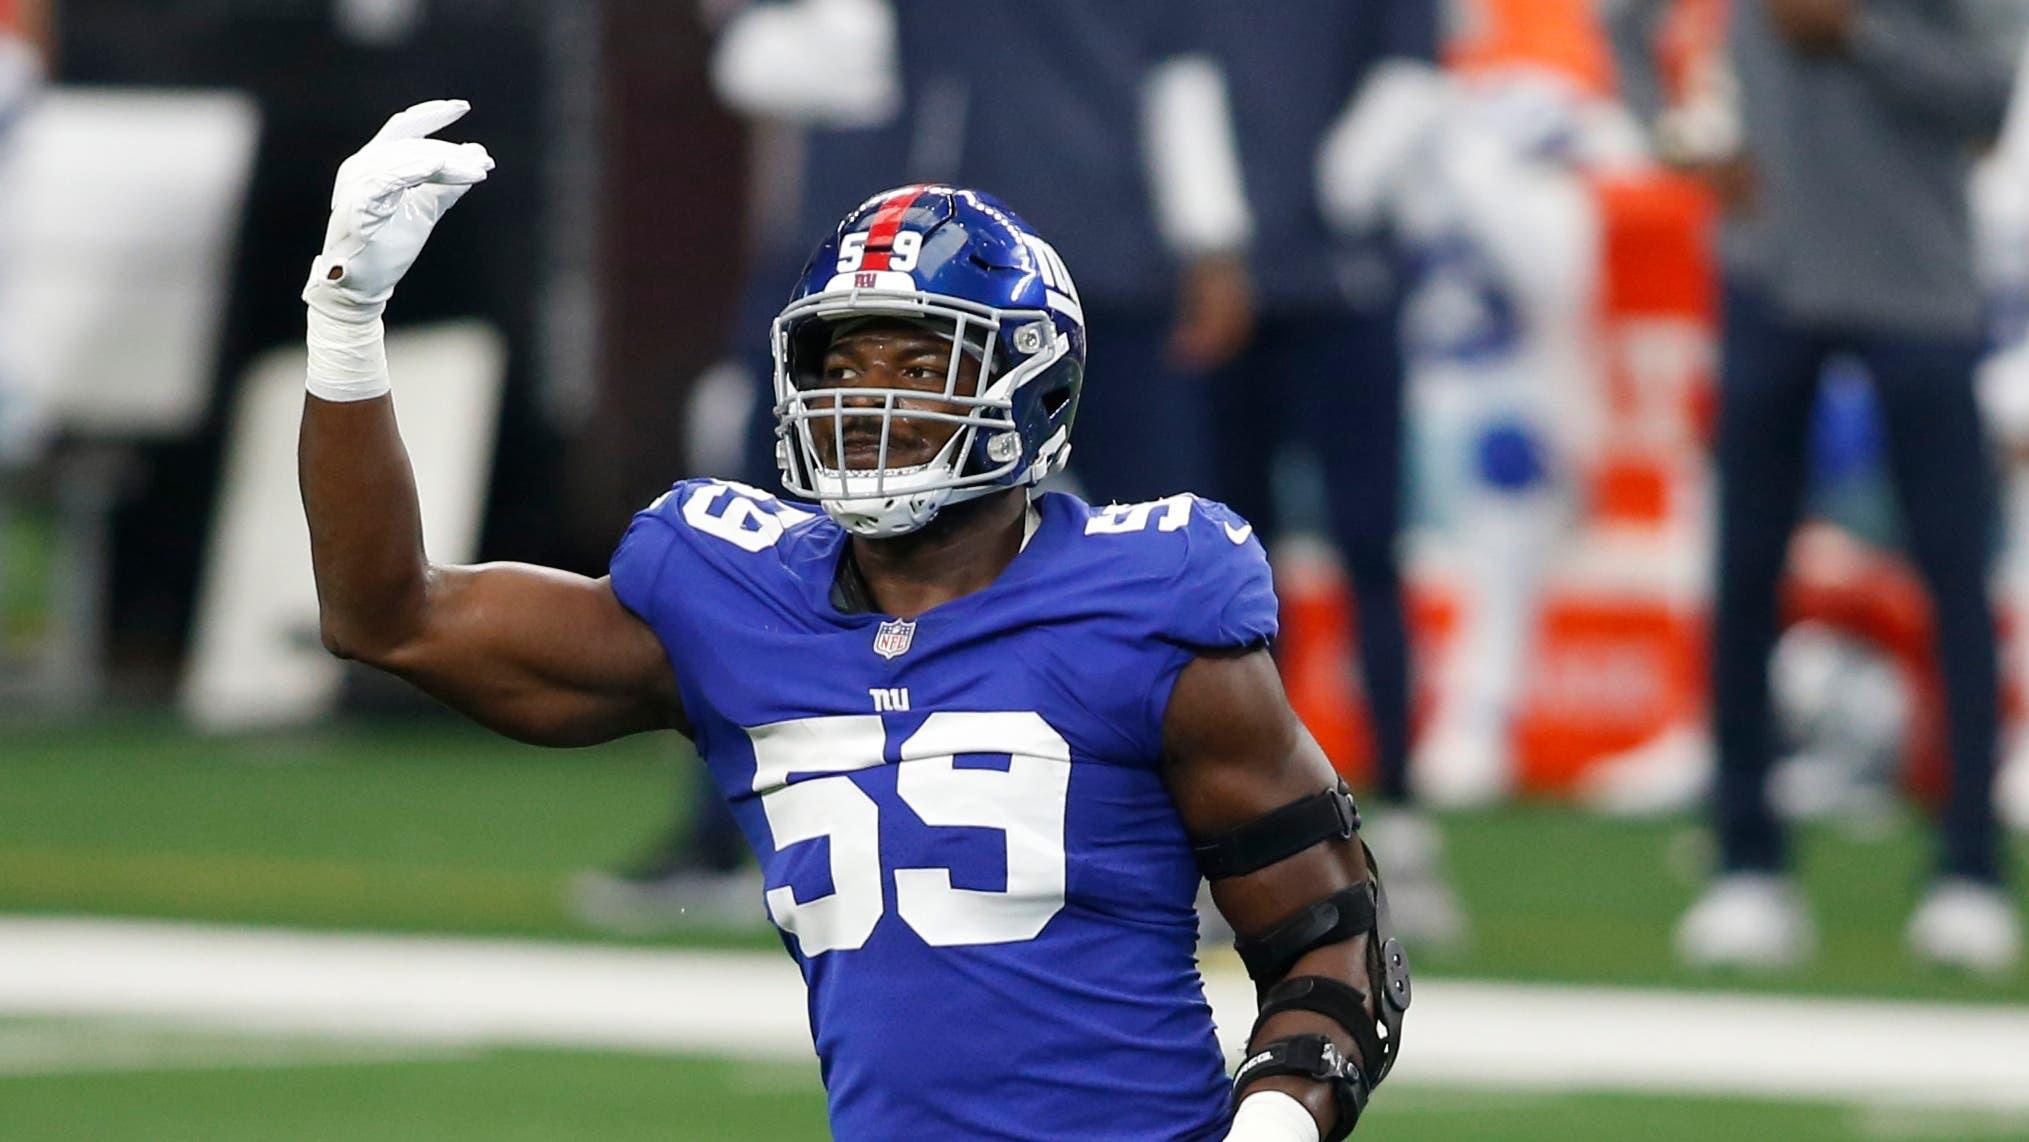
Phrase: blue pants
[1332,381]
[1937,459]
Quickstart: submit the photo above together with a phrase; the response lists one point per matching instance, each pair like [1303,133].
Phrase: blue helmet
[961,263]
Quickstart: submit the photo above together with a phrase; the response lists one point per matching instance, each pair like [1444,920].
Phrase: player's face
[892,355]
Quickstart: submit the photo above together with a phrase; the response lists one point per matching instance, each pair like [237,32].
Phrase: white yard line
[1529,1036]
[75,1048]
[451,991]
[1483,1035]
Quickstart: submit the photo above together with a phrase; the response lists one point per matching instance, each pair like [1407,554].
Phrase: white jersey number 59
[1025,802]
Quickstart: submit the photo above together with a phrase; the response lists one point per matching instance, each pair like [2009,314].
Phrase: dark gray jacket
[1860,213]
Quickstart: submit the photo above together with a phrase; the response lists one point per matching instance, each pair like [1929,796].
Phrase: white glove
[384,204]
[1272,1116]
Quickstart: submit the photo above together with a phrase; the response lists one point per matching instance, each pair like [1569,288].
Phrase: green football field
[429,827]
[152,1085]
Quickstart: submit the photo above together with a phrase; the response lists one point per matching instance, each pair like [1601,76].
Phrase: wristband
[348,359]
[1272,1116]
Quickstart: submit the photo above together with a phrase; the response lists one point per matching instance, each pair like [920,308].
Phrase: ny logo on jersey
[894,637]
[889,699]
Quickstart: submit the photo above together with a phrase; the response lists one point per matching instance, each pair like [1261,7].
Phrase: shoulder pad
[1220,592]
[717,523]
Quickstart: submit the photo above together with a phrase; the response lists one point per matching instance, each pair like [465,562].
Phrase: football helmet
[960,263]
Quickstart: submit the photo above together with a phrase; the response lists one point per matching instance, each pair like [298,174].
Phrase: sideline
[478,993]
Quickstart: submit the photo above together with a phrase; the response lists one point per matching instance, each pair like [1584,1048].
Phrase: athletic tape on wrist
[1272,1116]
[348,359]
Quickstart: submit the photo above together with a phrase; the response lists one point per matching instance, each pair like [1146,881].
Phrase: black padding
[1344,914]
[1341,1003]
[1361,909]
[1280,834]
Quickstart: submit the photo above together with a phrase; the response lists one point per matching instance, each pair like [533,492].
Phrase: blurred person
[818,79]
[2001,233]
[1323,369]
[1108,123]
[1848,233]
[1023,725]
[1482,170]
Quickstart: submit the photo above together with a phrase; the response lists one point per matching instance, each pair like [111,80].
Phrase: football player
[984,742]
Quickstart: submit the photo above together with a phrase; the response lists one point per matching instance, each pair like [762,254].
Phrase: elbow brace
[1357,910]
[1361,910]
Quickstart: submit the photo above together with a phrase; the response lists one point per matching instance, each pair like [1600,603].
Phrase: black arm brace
[1360,909]
[1349,912]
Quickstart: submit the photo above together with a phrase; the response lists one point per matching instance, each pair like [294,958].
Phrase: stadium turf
[429,826]
[161,1086]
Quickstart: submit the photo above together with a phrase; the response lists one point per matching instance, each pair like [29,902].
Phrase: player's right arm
[1275,832]
[538,654]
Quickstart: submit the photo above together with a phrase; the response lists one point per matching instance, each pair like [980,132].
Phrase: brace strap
[1341,1003]
[1360,909]
[1313,1057]
[1344,914]
[1280,834]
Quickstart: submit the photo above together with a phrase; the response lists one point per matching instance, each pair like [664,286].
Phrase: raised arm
[537,654]
[1277,836]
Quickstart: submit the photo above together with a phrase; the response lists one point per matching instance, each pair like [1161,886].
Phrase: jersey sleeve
[1224,595]
[644,552]
[704,553]
[695,529]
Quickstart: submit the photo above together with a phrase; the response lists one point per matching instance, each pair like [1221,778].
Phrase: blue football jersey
[961,819]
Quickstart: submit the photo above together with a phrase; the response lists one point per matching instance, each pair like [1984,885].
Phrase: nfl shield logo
[893,639]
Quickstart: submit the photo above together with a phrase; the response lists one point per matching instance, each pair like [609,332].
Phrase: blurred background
[1635,394]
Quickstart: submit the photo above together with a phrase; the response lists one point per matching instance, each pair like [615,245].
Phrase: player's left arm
[1277,836]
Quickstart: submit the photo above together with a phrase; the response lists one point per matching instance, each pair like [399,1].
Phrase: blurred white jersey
[1503,228]
[1484,179]
[23,418]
